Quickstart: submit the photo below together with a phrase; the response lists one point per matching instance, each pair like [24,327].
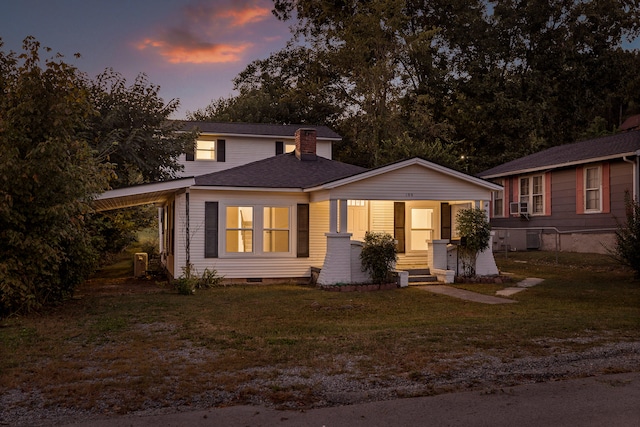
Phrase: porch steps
[420,276]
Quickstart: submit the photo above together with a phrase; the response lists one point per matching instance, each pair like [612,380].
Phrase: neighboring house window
[275,229]
[498,202]
[205,150]
[239,229]
[592,189]
[532,193]
[288,148]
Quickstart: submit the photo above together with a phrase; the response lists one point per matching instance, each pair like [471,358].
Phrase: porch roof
[157,192]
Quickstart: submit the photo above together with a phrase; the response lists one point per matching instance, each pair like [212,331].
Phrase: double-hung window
[205,150]
[275,229]
[498,202]
[592,189]
[258,229]
[532,193]
[239,229]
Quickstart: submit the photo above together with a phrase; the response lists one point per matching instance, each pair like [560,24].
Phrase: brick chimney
[306,144]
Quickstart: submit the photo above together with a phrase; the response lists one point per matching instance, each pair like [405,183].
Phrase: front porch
[423,230]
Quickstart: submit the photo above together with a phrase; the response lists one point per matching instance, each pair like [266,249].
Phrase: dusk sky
[192,49]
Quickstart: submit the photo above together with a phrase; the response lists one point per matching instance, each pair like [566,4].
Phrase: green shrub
[627,248]
[190,280]
[475,233]
[378,255]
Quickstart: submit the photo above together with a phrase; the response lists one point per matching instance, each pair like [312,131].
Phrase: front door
[420,228]
[357,219]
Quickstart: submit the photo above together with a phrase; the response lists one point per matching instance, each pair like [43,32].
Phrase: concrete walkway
[521,286]
[481,298]
[466,295]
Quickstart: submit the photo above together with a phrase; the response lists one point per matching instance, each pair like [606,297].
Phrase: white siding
[179,246]
[382,216]
[240,266]
[242,150]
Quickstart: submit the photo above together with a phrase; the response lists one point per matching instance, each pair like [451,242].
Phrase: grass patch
[122,350]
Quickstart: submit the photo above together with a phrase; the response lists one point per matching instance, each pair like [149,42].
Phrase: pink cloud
[201,54]
[210,32]
[249,15]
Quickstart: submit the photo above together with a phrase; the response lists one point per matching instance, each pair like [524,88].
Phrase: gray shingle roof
[626,143]
[262,129]
[283,171]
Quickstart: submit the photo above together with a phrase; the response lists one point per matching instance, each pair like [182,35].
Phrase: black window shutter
[211,230]
[302,249]
[220,147]
[279,147]
[398,225]
[190,154]
[445,221]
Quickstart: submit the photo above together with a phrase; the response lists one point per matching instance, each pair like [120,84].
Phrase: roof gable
[438,169]
[607,147]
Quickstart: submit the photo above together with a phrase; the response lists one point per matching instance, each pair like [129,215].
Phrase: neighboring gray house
[568,197]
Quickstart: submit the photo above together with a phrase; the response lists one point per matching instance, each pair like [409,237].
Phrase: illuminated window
[289,147]
[239,229]
[275,229]
[205,150]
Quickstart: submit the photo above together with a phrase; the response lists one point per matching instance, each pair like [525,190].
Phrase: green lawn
[160,345]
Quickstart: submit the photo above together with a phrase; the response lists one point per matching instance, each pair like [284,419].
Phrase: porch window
[532,193]
[592,185]
[205,150]
[239,229]
[276,229]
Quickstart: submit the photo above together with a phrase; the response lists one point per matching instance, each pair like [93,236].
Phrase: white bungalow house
[281,216]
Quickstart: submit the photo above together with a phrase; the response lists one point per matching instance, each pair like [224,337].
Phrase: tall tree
[510,76]
[132,130]
[48,176]
[294,85]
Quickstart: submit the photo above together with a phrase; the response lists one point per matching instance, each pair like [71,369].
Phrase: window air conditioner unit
[519,208]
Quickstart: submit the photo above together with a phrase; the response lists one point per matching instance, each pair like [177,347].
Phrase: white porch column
[337,261]
[333,216]
[486,263]
[342,212]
